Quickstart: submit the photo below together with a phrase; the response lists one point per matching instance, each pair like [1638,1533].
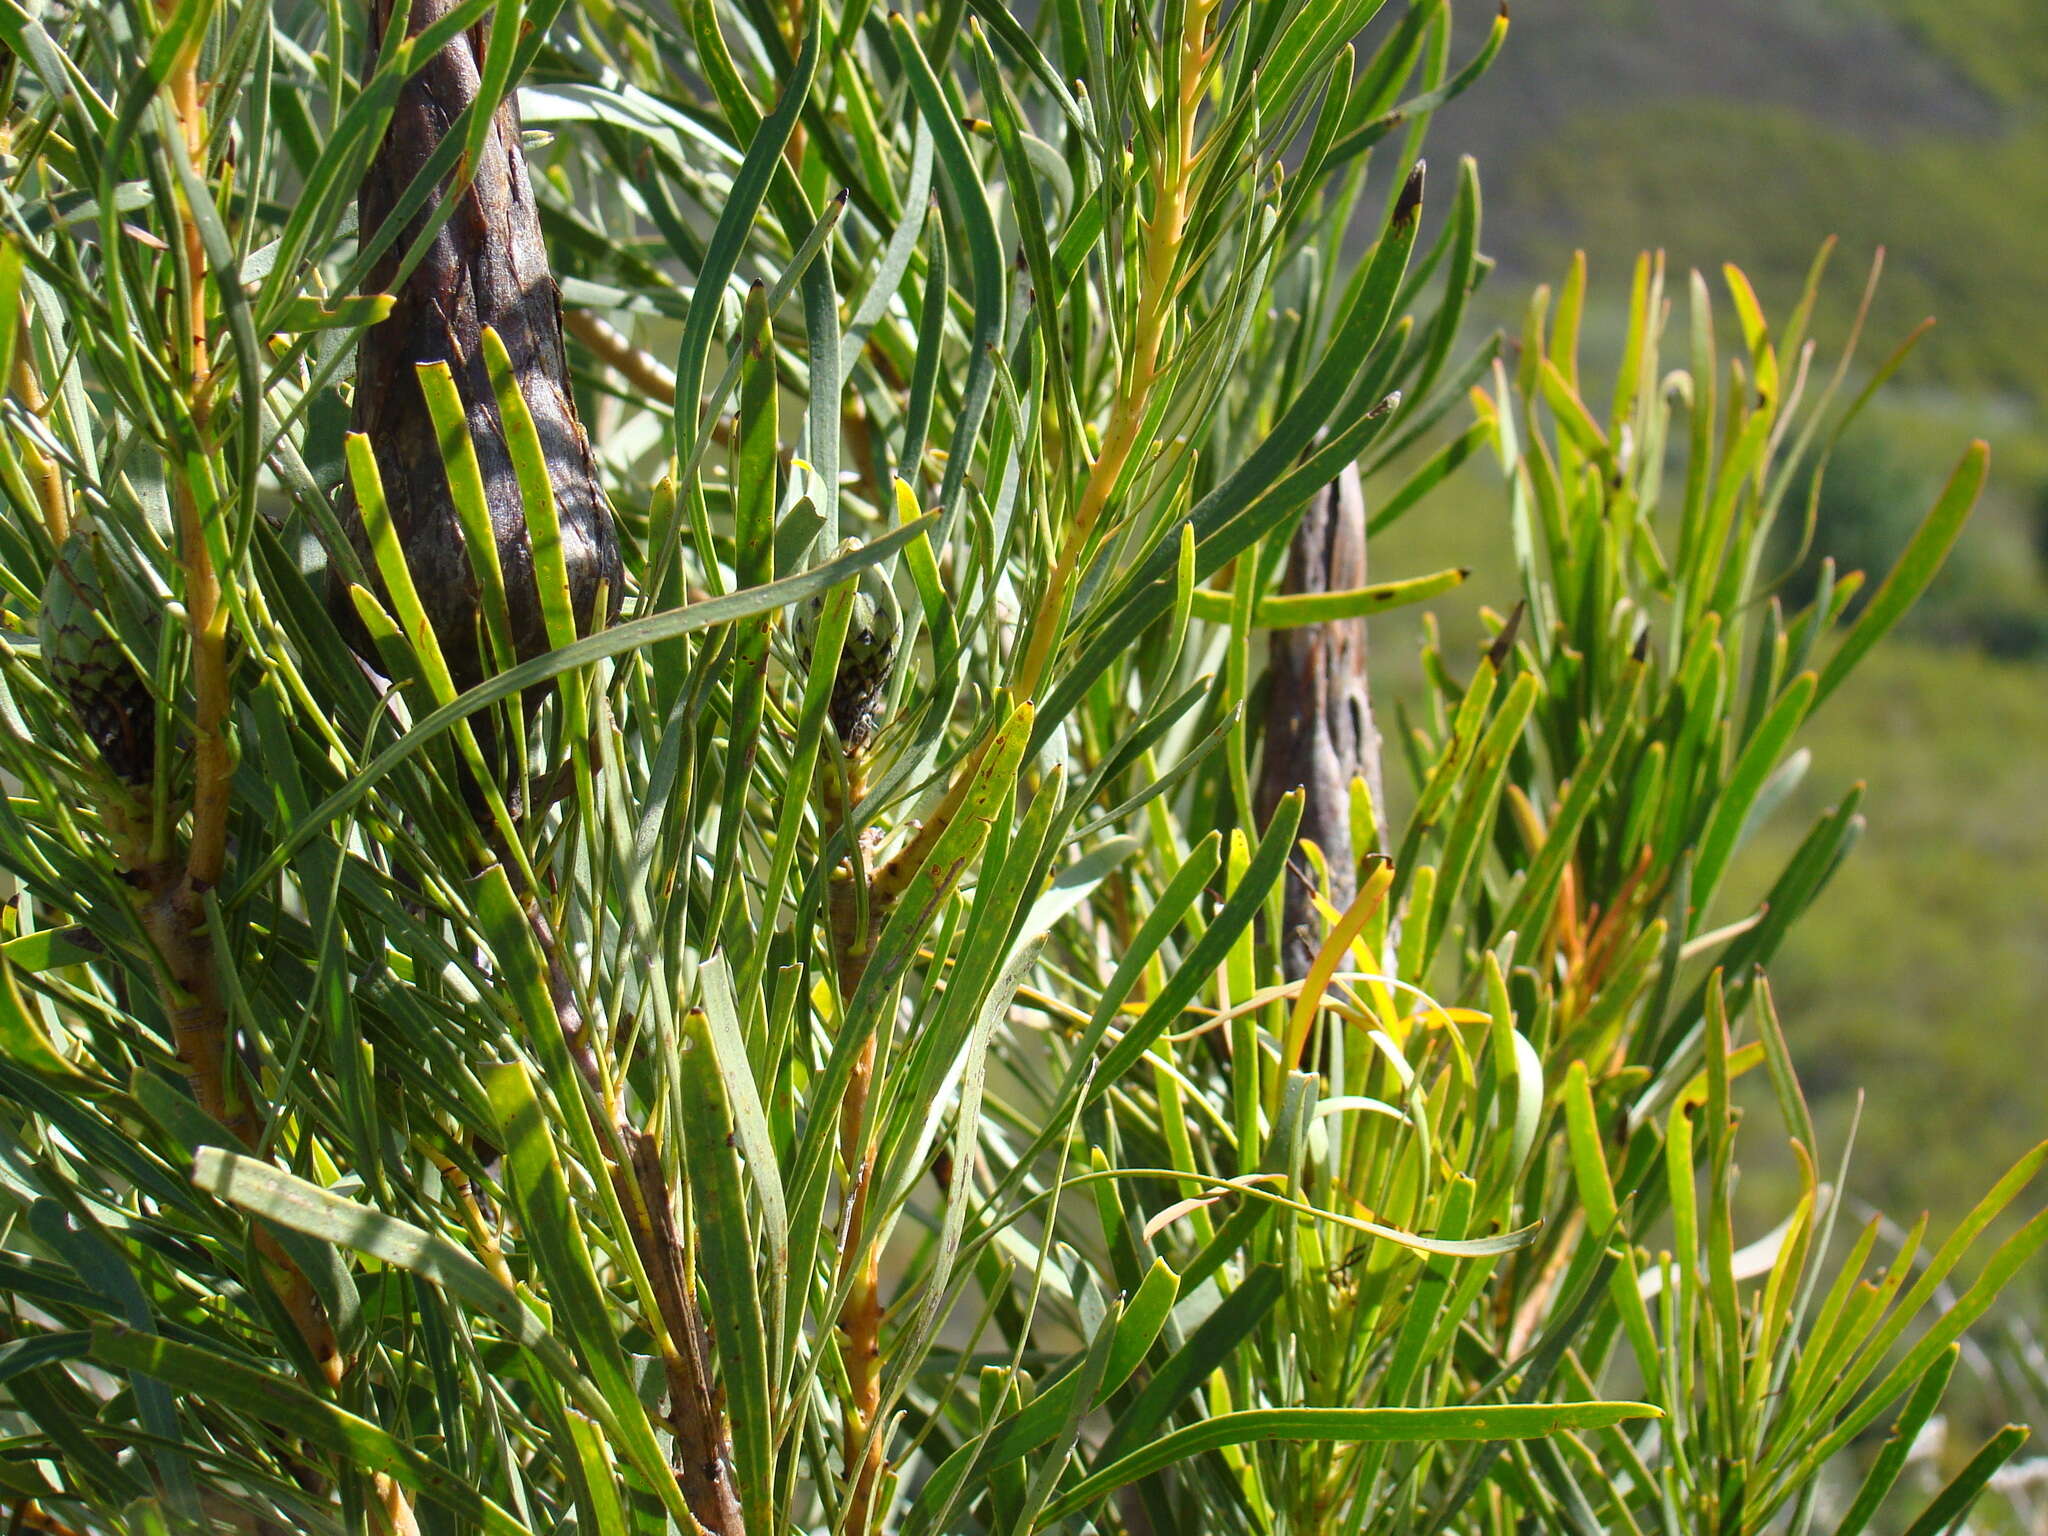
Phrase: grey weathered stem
[1319,726]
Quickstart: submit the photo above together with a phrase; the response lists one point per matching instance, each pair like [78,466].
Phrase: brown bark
[856,925]
[486,266]
[1319,726]
[696,1414]
[702,1451]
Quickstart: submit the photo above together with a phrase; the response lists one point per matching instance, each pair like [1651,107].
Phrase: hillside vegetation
[1749,131]
[1915,125]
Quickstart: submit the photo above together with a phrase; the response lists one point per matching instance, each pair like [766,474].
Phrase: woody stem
[854,924]
[1164,230]
[174,899]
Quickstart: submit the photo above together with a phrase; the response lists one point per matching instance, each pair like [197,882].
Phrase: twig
[1163,234]
[174,901]
[178,915]
[860,1317]
[49,478]
[703,1456]
[640,368]
[27,1517]
[855,923]
[696,1417]
[480,1233]
[1163,231]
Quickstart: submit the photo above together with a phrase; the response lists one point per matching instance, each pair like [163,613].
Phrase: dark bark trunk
[486,266]
[1319,726]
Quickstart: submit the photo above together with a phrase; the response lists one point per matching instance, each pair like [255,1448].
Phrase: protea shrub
[703,839]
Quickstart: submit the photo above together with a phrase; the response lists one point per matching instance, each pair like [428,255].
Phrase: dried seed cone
[486,267]
[867,660]
[86,665]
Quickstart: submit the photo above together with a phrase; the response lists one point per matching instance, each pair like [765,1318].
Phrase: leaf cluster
[648,1048]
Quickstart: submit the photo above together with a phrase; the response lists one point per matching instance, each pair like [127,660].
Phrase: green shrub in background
[1868,503]
[816,1053]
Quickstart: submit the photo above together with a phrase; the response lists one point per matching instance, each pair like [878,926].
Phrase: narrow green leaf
[1572,416]
[1348,1426]
[472,504]
[727,1259]
[729,237]
[40,1349]
[299,1206]
[1431,473]
[1428,101]
[1948,1509]
[616,641]
[1243,1308]
[743,1098]
[1293,611]
[1087,1381]
[1073,1394]
[24,1041]
[1738,796]
[1589,779]
[219,1378]
[93,1257]
[536,492]
[415,625]
[963,183]
[548,1216]
[1478,806]
[593,1453]
[1891,1457]
[1916,567]
[756,465]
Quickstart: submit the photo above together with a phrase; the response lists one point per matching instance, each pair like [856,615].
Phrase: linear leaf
[1351,1426]
[1916,567]
[218,1378]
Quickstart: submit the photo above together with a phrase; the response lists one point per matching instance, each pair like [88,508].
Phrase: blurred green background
[1748,131]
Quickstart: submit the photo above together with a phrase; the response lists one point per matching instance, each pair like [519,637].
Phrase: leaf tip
[1504,642]
[1409,204]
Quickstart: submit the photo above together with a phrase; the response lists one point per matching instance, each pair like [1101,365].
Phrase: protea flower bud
[85,662]
[487,266]
[866,661]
